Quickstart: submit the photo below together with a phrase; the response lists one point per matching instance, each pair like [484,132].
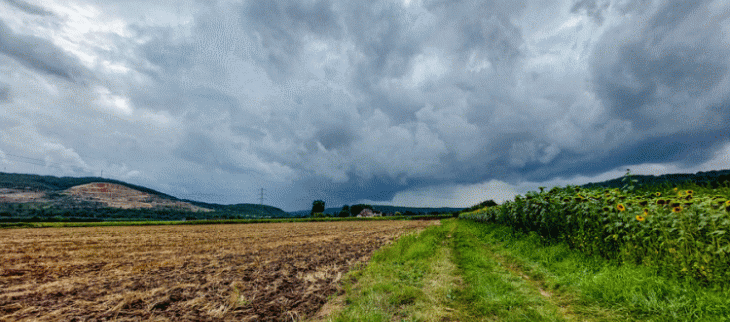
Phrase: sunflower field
[681,231]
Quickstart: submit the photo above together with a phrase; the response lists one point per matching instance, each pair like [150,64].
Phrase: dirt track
[261,272]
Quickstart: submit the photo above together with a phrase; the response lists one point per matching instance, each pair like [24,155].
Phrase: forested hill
[255,210]
[712,178]
[36,182]
[36,197]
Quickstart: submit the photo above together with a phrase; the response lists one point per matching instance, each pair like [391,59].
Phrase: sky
[403,102]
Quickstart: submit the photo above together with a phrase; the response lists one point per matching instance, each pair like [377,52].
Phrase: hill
[27,197]
[712,178]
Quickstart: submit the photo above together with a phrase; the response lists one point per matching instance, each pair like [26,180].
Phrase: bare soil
[20,196]
[254,272]
[119,196]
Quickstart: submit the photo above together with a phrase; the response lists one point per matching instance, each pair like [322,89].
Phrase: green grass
[495,291]
[470,271]
[410,280]
[590,286]
[198,222]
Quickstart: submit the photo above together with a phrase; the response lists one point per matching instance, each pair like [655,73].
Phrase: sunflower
[677,209]
[658,194]
[727,203]
[646,212]
[643,203]
[675,189]
[689,192]
[640,218]
[660,202]
[620,207]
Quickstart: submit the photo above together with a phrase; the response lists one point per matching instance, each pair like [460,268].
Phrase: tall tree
[356,209]
[317,207]
[345,212]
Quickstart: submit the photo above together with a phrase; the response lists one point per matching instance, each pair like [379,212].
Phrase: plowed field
[254,272]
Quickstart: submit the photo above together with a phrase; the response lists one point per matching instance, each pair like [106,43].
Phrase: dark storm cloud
[40,55]
[655,73]
[280,26]
[4,93]
[363,100]
[336,137]
[205,151]
[29,8]
[381,31]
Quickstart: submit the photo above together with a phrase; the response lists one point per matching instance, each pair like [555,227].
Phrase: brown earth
[119,196]
[255,272]
[20,196]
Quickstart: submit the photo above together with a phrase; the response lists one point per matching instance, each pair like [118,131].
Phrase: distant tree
[345,212]
[483,204]
[317,207]
[356,209]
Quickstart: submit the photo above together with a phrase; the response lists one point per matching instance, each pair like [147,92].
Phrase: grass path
[462,271]
[501,287]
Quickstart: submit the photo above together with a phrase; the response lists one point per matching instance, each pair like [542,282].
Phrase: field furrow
[203,272]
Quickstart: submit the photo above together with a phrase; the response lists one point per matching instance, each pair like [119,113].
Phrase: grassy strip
[600,289]
[412,279]
[200,222]
[495,291]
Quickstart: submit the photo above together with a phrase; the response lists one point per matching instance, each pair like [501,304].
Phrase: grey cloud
[593,8]
[331,92]
[41,55]
[484,26]
[161,52]
[336,138]
[4,93]
[626,6]
[639,73]
[279,27]
[381,31]
[672,13]
[202,150]
[496,37]
[29,8]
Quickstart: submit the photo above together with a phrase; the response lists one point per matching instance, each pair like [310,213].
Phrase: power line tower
[261,198]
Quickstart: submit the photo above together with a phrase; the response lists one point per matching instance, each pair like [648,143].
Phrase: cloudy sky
[406,102]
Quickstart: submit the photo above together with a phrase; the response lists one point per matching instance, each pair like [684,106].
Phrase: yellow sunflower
[640,218]
[620,207]
[677,209]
